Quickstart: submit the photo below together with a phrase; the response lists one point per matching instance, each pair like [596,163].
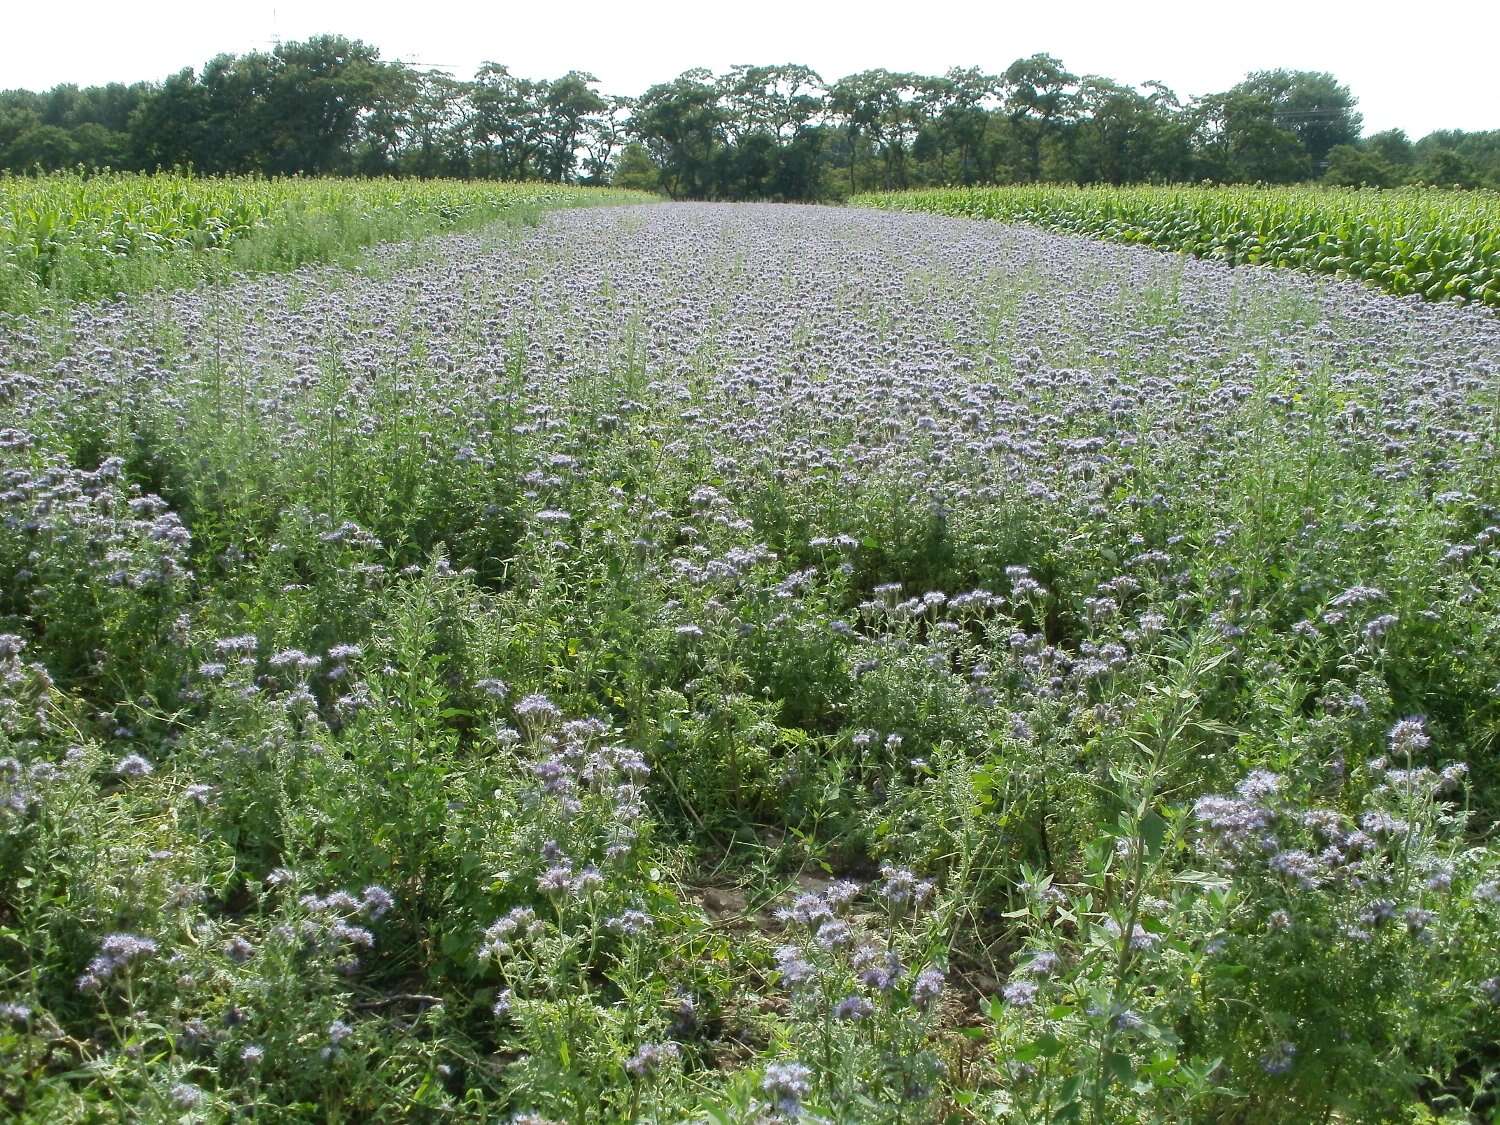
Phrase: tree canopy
[332,106]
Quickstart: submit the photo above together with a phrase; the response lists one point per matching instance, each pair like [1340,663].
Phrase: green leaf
[1153,831]
[1204,879]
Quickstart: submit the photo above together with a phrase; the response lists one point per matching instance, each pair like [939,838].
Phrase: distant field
[1443,245]
[77,237]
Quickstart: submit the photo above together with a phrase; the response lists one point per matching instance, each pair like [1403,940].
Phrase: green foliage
[331,106]
[1442,245]
[72,236]
[636,171]
[1354,167]
[453,714]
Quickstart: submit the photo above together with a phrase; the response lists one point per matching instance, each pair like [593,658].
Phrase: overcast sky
[1416,67]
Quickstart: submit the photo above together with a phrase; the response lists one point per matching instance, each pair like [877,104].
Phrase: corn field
[75,237]
[1443,245]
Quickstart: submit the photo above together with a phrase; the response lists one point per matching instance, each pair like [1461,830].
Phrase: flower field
[1441,245]
[73,237]
[748,663]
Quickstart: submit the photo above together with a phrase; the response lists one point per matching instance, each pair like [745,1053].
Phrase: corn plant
[1444,245]
[72,236]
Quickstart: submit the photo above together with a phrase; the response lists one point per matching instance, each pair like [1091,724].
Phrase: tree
[1238,140]
[239,133]
[605,133]
[380,132]
[1315,106]
[509,122]
[800,167]
[1393,146]
[1480,152]
[48,147]
[330,105]
[1349,166]
[903,113]
[171,128]
[17,117]
[1279,125]
[682,124]
[318,90]
[882,112]
[635,169]
[858,101]
[965,99]
[1124,136]
[781,101]
[112,105]
[434,126]
[569,106]
[1445,167]
[95,146]
[1039,100]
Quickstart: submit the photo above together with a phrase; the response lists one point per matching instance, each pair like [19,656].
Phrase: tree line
[332,106]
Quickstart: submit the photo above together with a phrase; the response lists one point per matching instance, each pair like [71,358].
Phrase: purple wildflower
[650,1057]
[787,1083]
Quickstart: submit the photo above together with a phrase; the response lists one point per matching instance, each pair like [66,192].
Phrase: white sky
[1417,67]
